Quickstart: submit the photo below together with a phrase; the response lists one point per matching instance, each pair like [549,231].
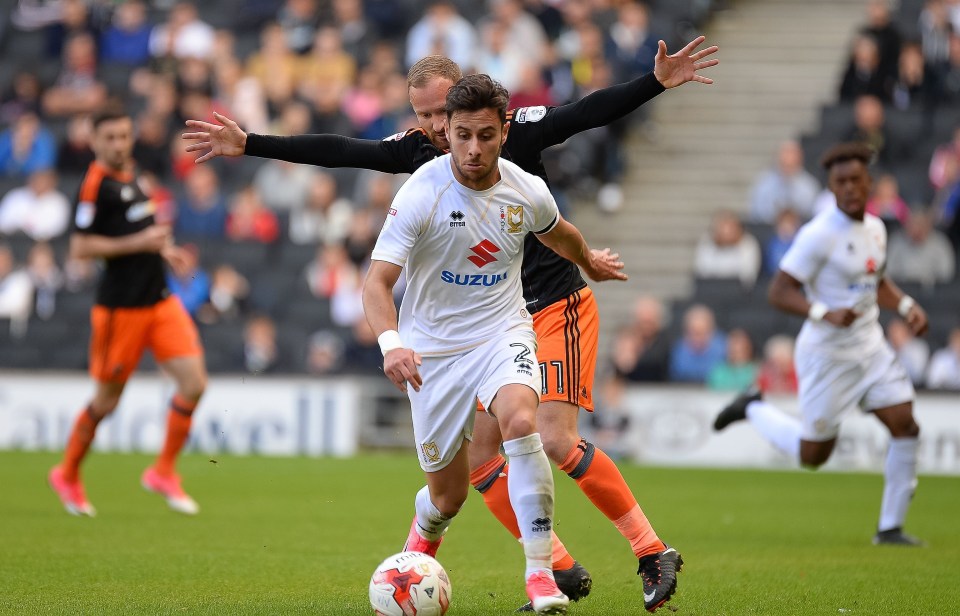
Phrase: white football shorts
[830,387]
[445,407]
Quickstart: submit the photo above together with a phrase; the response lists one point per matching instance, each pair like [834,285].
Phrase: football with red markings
[410,584]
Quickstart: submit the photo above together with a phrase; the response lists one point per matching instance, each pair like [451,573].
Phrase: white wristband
[389,340]
[906,303]
[817,311]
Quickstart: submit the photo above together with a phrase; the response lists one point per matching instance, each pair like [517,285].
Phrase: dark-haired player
[834,275]
[562,305]
[134,310]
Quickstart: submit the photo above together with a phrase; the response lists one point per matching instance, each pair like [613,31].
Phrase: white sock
[530,484]
[782,430]
[431,524]
[899,482]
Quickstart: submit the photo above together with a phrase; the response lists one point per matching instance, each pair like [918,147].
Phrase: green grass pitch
[302,536]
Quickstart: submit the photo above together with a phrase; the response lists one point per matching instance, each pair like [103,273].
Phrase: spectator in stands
[913,87]
[786,186]
[777,374]
[298,21]
[531,91]
[16,293]
[260,351]
[864,75]
[151,148]
[75,18]
[249,220]
[641,351]
[522,32]
[46,277]
[944,370]
[192,285]
[74,155]
[442,30]
[912,352]
[77,89]
[920,253]
[183,35]
[26,147]
[38,209]
[325,353]
[945,163]
[359,38]
[201,208]
[361,353]
[325,217]
[738,371]
[784,231]
[241,94]
[870,128]
[327,63]
[229,293]
[497,58]
[23,96]
[632,45]
[934,23]
[887,35]
[275,67]
[700,349]
[886,202]
[127,40]
[949,80]
[727,251]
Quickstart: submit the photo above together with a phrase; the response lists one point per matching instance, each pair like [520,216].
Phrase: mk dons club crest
[430,451]
[514,219]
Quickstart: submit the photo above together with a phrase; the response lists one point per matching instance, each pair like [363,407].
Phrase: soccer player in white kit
[458,226]
[834,275]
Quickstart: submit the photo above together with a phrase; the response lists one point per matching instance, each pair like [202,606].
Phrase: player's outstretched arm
[212,140]
[399,363]
[679,68]
[324,150]
[567,241]
[154,238]
[608,104]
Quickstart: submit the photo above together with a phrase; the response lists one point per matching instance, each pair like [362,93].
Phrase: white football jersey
[840,262]
[462,250]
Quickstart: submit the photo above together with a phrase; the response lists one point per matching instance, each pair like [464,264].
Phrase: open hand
[212,140]
[677,69]
[605,265]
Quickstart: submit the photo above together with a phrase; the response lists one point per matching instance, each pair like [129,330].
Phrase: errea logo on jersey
[483,253]
[456,219]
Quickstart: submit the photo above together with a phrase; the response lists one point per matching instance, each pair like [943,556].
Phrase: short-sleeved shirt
[462,252]
[113,204]
[840,262]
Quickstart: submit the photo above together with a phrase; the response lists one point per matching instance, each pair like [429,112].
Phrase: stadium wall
[668,425]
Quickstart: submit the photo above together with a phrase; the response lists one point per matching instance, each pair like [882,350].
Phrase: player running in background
[834,275]
[563,307]
[464,331]
[134,310]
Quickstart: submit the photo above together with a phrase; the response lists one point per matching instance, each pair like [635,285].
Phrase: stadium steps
[780,61]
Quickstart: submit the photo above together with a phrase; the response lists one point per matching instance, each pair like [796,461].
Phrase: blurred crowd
[904,66]
[277,67]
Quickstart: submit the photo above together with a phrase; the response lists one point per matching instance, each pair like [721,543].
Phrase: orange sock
[486,480]
[84,429]
[179,418]
[599,478]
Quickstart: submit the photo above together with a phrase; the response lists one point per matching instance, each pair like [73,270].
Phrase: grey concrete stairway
[780,60]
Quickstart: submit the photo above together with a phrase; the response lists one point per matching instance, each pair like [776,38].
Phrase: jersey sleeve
[546,212]
[401,228]
[401,153]
[87,217]
[549,126]
[807,254]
